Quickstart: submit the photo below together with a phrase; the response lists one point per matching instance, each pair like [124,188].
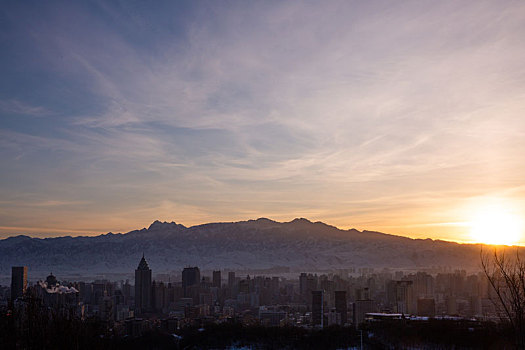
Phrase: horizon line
[86,233]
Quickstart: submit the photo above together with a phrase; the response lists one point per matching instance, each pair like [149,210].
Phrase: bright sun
[496,226]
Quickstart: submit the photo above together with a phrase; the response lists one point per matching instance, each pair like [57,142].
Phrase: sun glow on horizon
[496,225]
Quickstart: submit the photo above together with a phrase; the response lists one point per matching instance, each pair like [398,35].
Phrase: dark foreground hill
[300,245]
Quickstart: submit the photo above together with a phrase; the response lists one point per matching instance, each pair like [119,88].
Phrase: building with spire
[142,287]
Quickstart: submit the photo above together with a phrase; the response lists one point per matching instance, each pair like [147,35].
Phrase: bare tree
[506,274]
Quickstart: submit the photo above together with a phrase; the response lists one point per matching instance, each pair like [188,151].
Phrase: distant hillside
[300,245]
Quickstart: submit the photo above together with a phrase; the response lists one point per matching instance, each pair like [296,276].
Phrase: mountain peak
[161,225]
[264,220]
[301,221]
[156,224]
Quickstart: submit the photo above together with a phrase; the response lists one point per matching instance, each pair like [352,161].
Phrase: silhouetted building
[158,296]
[51,280]
[475,306]
[404,297]
[452,305]
[341,305]
[302,284]
[244,285]
[361,308]
[18,281]
[99,290]
[307,284]
[271,315]
[362,294]
[57,296]
[135,327]
[317,307]
[217,279]
[126,291]
[142,287]
[426,307]
[231,279]
[191,276]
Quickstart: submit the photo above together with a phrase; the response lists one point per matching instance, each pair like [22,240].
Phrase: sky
[405,117]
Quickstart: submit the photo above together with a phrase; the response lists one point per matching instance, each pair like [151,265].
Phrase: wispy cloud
[21,108]
[347,111]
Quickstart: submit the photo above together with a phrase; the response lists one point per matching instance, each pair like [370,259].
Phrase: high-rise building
[126,291]
[311,282]
[302,284]
[404,298]
[307,284]
[231,279]
[341,305]
[158,296]
[191,276]
[244,285]
[475,306]
[426,307]
[142,287]
[361,308]
[452,305]
[18,281]
[317,307]
[232,285]
[217,279]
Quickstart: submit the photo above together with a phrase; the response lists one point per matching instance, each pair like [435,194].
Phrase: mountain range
[298,245]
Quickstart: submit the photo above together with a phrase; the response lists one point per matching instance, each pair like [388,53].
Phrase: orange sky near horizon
[411,226]
[405,118]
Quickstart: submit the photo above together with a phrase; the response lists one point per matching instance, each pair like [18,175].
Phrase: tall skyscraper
[302,285]
[190,276]
[231,279]
[217,279]
[317,307]
[18,281]
[405,297]
[341,305]
[361,308]
[142,287]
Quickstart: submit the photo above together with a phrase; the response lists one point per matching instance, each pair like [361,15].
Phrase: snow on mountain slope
[254,244]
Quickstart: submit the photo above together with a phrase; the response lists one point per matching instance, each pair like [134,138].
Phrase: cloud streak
[18,107]
[344,112]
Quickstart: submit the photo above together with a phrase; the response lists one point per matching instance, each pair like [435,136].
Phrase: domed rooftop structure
[51,280]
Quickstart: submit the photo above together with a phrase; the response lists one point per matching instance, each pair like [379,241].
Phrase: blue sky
[402,117]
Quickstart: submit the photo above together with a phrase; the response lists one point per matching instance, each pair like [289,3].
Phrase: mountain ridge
[155,225]
[263,243]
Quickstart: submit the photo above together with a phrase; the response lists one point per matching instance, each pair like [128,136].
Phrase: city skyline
[351,300]
[402,118]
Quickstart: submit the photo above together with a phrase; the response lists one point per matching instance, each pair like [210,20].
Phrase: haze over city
[399,117]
